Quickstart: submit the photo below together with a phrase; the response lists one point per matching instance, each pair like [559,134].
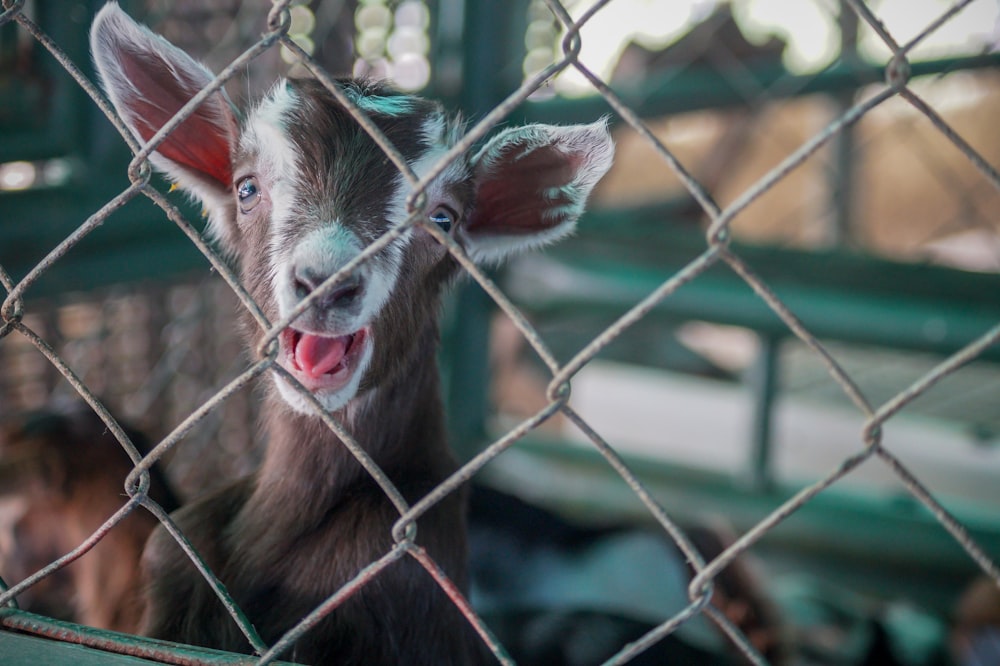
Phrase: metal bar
[763,383]
[695,89]
[839,295]
[843,145]
[468,370]
[108,643]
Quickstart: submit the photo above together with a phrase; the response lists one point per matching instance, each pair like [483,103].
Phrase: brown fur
[63,475]
[309,521]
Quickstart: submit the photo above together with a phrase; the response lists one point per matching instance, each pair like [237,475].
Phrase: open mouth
[322,362]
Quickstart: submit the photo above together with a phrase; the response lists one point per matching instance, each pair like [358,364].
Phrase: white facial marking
[433,130]
[382,281]
[277,162]
[329,247]
[324,251]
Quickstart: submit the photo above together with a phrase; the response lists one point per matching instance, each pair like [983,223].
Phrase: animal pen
[782,307]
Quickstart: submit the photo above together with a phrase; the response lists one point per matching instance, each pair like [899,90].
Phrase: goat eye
[444,217]
[248,194]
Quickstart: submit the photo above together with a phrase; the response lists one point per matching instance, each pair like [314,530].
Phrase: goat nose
[342,295]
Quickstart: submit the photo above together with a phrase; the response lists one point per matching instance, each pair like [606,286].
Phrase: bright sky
[809,26]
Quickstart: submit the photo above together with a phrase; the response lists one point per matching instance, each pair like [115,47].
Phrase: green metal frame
[40,108]
[26,636]
[837,294]
[885,542]
[136,243]
[696,89]
[44,114]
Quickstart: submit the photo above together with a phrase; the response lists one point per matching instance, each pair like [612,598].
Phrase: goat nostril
[302,289]
[305,281]
[344,294]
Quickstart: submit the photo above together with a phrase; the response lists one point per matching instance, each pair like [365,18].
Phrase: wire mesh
[20,328]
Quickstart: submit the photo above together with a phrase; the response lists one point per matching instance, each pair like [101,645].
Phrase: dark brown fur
[311,518]
[309,521]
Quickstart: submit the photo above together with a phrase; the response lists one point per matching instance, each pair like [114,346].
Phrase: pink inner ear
[202,141]
[525,193]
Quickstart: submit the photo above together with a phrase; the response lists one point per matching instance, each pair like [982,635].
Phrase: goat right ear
[148,80]
[531,186]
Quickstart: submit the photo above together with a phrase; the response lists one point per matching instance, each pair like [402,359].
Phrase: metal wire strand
[718,251]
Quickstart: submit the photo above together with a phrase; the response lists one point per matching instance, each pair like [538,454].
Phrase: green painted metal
[837,294]
[495,26]
[695,88]
[20,650]
[834,535]
[43,112]
[68,643]
[137,242]
[763,382]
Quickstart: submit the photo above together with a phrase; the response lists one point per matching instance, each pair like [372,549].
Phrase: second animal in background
[62,475]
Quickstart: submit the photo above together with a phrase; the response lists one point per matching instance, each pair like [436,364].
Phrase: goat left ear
[148,80]
[531,186]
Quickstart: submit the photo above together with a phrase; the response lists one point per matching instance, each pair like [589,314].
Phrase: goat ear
[148,80]
[531,186]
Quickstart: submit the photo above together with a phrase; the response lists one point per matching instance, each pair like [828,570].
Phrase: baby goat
[293,190]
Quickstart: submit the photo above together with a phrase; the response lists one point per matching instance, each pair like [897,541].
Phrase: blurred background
[885,243]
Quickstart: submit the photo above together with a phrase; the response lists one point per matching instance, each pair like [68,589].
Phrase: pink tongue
[317,356]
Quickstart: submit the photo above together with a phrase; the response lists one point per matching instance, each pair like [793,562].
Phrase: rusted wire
[239,618]
[460,601]
[10,593]
[717,251]
[94,221]
[363,577]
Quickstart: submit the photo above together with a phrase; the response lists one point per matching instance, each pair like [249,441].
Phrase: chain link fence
[20,328]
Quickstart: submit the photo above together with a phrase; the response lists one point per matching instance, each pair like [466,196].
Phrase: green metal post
[764,384]
[491,68]
[842,182]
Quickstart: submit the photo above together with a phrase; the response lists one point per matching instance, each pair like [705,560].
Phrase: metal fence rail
[717,250]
